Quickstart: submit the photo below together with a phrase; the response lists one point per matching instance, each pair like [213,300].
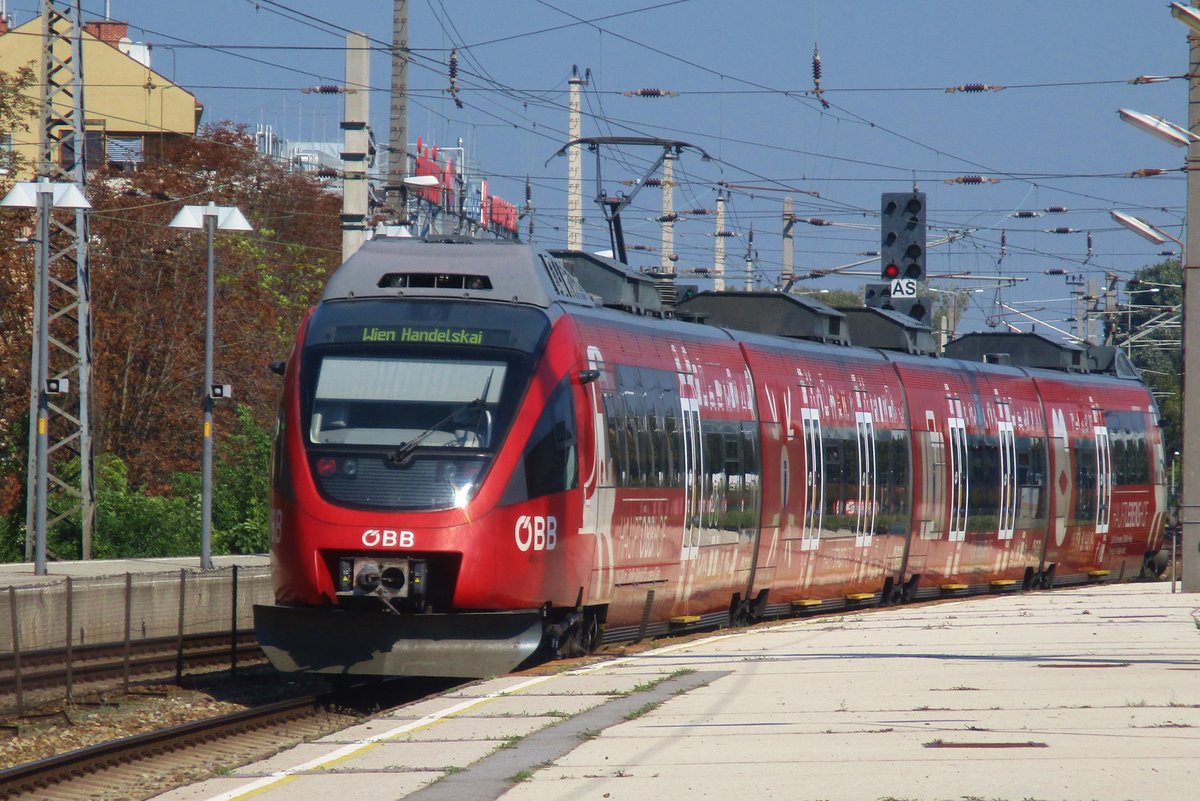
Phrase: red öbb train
[477,460]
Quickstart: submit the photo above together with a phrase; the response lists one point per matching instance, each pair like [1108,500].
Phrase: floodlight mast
[1190,503]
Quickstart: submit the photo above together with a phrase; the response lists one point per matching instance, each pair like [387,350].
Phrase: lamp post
[210,218]
[43,196]
[1189,517]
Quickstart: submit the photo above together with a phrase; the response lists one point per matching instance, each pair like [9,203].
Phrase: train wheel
[583,637]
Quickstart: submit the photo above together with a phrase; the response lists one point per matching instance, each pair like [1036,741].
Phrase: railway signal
[902,236]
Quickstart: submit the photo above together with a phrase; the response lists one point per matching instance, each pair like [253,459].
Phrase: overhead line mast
[61,158]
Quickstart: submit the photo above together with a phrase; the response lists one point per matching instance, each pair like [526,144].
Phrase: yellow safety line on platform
[271,781]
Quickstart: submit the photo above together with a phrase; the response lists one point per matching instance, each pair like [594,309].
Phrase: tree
[148,287]
[16,315]
[148,293]
[1149,329]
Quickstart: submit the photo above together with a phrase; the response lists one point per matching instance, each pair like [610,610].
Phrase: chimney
[108,31]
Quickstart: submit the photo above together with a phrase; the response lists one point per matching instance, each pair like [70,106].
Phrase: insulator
[816,66]
[697,212]
[1024,215]
[1146,172]
[647,248]
[528,192]
[1057,210]
[651,93]
[975,87]
[726,234]
[1143,79]
[972,179]
[817,221]
[329,89]
[327,172]
[453,65]
[1062,230]
[867,253]
[672,217]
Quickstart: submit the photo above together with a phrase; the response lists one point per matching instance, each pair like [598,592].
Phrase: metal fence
[54,620]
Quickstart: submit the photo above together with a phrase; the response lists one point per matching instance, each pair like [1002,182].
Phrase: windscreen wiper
[400,457]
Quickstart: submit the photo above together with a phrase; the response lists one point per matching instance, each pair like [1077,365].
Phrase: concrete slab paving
[1089,694]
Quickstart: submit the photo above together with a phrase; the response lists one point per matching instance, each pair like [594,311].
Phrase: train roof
[449,267]
[454,267]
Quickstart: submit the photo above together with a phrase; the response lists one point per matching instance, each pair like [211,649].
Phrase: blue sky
[1052,137]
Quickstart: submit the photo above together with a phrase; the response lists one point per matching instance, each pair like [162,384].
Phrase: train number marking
[387,538]
[536,532]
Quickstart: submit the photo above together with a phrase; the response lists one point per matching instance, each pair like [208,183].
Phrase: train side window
[1031,482]
[1086,476]
[549,463]
[984,481]
[281,473]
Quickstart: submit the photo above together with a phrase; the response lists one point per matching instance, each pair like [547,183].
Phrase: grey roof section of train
[518,273]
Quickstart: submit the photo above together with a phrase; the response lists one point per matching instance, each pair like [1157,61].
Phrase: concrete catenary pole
[789,219]
[1189,513]
[398,129]
[749,280]
[357,142]
[719,246]
[668,212]
[575,164]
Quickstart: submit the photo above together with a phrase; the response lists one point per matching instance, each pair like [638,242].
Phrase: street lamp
[43,196]
[210,218]
[1156,126]
[1142,228]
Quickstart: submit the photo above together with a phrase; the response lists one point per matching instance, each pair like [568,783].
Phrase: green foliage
[137,522]
[1155,349]
[241,488]
[133,523]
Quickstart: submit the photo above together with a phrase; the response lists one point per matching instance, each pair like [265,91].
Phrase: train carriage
[836,463]
[476,463]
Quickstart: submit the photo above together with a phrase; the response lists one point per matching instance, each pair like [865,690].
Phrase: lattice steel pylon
[61,157]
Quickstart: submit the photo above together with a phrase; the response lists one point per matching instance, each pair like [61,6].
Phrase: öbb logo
[387,538]
[536,532]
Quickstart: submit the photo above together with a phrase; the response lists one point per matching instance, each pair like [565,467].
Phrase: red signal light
[891,271]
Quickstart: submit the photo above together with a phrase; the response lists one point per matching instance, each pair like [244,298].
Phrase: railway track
[145,764]
[35,678]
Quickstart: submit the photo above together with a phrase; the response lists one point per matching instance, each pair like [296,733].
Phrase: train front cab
[424,518]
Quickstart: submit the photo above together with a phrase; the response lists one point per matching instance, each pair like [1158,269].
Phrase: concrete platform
[1090,694]
[20,574]
[94,595]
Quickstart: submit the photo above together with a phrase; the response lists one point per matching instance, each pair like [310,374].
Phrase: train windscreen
[407,414]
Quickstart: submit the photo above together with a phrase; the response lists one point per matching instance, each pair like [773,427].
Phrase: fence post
[70,650]
[179,653]
[16,647]
[233,627]
[128,624]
